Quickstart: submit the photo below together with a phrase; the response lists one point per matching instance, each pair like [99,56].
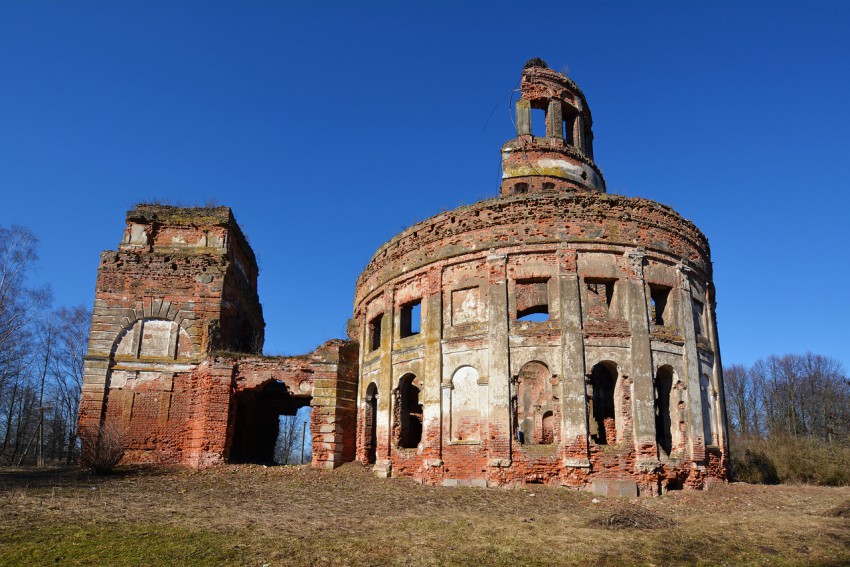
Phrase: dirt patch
[632,516]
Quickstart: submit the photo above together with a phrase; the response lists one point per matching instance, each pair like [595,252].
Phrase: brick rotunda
[555,334]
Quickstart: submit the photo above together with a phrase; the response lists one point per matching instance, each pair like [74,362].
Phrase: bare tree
[799,395]
[19,304]
[288,439]
[742,397]
[67,369]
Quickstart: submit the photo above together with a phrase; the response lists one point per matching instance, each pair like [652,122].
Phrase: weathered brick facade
[567,336]
[555,334]
[170,365]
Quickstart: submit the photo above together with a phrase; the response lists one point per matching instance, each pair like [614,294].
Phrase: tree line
[800,395]
[41,361]
[790,420]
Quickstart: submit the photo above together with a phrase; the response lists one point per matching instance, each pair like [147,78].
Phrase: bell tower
[559,156]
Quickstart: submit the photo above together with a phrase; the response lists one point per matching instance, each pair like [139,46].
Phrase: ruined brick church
[554,334]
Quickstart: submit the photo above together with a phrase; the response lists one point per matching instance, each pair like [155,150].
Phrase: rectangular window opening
[569,130]
[532,300]
[600,295]
[410,319]
[375,332]
[538,122]
[659,296]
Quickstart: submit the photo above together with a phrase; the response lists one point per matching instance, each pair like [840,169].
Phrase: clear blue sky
[330,127]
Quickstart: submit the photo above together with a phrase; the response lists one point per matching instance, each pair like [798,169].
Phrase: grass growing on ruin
[286,516]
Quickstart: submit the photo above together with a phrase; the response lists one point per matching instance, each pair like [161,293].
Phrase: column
[554,120]
[574,396]
[643,393]
[432,369]
[696,443]
[498,371]
[523,117]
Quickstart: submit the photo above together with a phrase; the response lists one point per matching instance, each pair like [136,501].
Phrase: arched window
[533,405]
[603,423]
[408,412]
[707,413]
[465,414]
[664,409]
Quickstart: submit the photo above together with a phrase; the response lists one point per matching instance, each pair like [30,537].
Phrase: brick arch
[157,310]
[152,337]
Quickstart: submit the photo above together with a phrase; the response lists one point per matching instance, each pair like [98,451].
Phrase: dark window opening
[548,186]
[603,425]
[521,188]
[706,400]
[409,413]
[410,319]
[248,341]
[267,425]
[532,300]
[375,332]
[370,431]
[538,122]
[659,295]
[663,418]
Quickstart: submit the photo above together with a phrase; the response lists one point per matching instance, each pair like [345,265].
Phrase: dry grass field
[252,515]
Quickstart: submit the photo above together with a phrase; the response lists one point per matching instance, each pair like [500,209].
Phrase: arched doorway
[663,410]
[258,426]
[603,402]
[408,413]
[370,432]
[533,405]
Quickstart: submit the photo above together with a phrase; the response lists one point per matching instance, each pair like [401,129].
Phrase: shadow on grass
[33,477]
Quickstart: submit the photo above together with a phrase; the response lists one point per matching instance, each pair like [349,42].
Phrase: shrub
[102,447]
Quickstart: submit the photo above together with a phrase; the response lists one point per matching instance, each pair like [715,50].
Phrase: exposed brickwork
[564,336]
[553,244]
[181,287]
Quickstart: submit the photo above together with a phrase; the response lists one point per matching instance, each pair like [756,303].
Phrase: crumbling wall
[589,262]
[176,309]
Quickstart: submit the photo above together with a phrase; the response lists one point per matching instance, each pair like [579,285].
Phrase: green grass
[117,544]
